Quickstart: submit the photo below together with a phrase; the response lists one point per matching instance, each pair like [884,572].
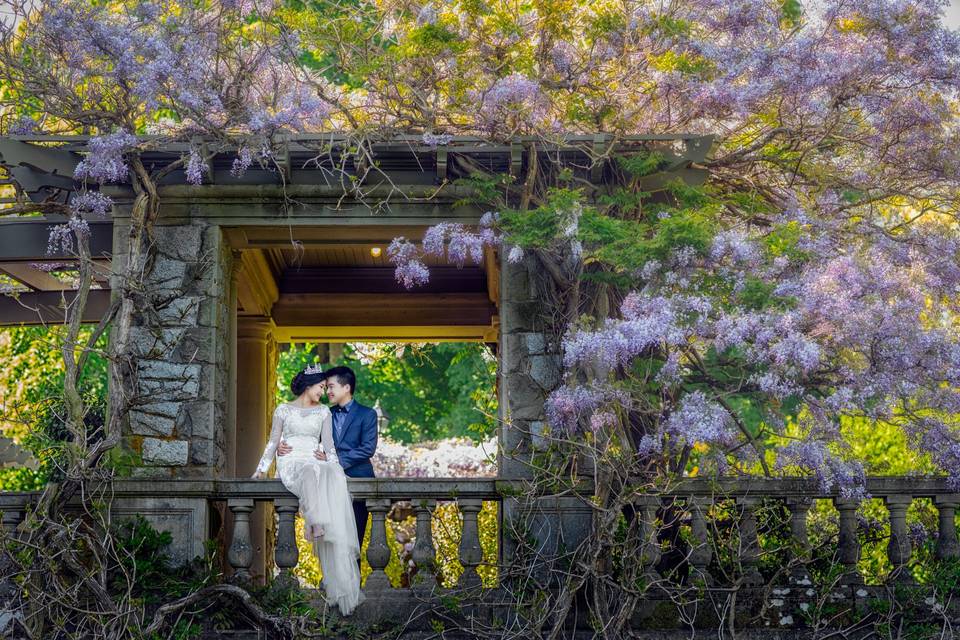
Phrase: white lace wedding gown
[325,501]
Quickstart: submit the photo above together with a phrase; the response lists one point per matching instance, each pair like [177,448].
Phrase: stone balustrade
[693,499]
[380,496]
[241,497]
[693,503]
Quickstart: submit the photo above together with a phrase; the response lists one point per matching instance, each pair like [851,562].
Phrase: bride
[312,472]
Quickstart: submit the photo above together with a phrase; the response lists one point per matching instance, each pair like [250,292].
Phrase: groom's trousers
[360,514]
[364,470]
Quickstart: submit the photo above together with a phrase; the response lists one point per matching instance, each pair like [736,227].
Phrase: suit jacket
[357,441]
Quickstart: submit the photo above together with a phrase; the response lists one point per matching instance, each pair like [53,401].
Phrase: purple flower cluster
[450,240]
[596,406]
[942,441]
[515,100]
[648,322]
[242,162]
[436,139]
[700,419]
[105,163]
[92,202]
[410,271]
[196,167]
[567,405]
[24,125]
[847,476]
[60,239]
[453,240]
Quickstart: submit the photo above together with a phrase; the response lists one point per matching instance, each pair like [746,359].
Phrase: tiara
[312,369]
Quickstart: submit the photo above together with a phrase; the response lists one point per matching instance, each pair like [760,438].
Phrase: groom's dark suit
[355,437]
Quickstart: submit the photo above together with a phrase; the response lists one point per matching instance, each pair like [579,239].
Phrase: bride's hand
[259,475]
[320,454]
[283,448]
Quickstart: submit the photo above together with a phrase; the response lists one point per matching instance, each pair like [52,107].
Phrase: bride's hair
[306,378]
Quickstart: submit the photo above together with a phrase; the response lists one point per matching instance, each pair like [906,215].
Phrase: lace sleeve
[275,430]
[326,437]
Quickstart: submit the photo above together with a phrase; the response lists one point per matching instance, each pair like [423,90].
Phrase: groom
[354,434]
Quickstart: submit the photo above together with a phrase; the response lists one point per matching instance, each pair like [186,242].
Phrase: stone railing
[380,496]
[175,501]
[692,499]
[688,503]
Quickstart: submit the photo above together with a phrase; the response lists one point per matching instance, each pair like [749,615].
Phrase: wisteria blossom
[105,162]
[92,202]
[410,270]
[813,277]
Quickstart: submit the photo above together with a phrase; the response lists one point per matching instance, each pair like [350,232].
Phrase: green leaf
[791,11]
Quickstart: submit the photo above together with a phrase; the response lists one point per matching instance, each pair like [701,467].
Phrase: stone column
[254,406]
[177,383]
[230,425]
[230,435]
[529,369]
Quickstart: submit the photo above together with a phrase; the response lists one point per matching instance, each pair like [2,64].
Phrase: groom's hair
[344,375]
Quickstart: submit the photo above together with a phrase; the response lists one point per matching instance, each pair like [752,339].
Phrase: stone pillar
[230,424]
[178,348]
[230,435]
[529,369]
[254,409]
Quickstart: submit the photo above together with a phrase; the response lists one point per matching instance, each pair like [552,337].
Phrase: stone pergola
[296,252]
[291,253]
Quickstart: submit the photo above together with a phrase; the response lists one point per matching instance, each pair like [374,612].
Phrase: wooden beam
[339,235]
[34,278]
[316,333]
[26,239]
[46,307]
[491,263]
[337,280]
[383,310]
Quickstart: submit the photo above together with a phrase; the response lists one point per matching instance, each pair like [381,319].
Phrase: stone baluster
[848,545]
[799,507]
[648,531]
[470,552]
[286,552]
[899,548]
[749,542]
[424,554]
[378,552]
[947,546]
[702,553]
[240,554]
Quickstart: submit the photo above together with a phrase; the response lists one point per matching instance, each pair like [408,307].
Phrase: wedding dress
[325,501]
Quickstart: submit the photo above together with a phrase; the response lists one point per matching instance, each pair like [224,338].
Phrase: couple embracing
[317,448]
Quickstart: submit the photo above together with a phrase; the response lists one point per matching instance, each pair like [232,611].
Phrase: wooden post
[254,399]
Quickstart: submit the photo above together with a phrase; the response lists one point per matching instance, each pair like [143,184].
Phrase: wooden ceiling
[329,284]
